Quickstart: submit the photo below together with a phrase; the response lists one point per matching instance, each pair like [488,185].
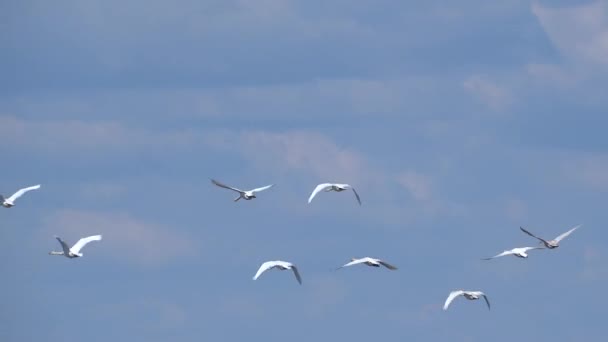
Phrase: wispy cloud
[124,237]
[578,32]
[104,190]
[312,153]
[595,267]
[161,314]
[588,170]
[419,185]
[490,93]
[74,135]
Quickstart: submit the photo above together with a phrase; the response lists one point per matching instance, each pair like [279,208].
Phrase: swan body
[10,202]
[244,194]
[280,265]
[470,295]
[551,244]
[369,262]
[74,251]
[333,187]
[520,252]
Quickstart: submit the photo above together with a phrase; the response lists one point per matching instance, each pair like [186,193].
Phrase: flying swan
[369,262]
[332,187]
[470,295]
[518,252]
[551,243]
[244,194]
[74,252]
[10,202]
[280,265]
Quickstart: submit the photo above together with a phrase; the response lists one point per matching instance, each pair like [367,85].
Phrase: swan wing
[296,273]
[354,262]
[561,237]
[264,267]
[451,297]
[318,189]
[499,255]
[221,185]
[532,235]
[487,301]
[262,188]
[525,249]
[387,265]
[20,192]
[82,242]
[64,246]
[356,195]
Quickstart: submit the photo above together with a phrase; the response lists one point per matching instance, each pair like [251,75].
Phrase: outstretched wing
[262,188]
[387,265]
[499,255]
[318,189]
[451,297]
[354,262]
[82,242]
[531,248]
[532,235]
[226,186]
[561,237]
[296,273]
[356,195]
[21,192]
[487,301]
[64,246]
[265,267]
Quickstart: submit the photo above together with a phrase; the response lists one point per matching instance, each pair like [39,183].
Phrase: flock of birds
[521,252]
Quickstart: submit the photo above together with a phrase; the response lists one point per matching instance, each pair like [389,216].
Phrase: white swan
[10,202]
[369,262]
[518,252]
[74,251]
[245,194]
[551,243]
[470,295]
[332,187]
[280,265]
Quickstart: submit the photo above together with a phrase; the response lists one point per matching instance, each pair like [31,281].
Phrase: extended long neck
[55,253]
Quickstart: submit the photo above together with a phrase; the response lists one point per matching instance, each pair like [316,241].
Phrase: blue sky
[457,122]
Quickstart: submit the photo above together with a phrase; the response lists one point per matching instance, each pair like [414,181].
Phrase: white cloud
[590,170]
[309,152]
[72,135]
[578,32]
[516,209]
[553,74]
[419,185]
[487,91]
[124,237]
[159,313]
[595,267]
[102,190]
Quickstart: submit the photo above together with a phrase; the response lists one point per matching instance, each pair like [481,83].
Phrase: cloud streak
[578,32]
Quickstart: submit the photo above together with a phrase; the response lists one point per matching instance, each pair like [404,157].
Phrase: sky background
[456,121]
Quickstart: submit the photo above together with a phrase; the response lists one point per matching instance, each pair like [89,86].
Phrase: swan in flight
[518,252]
[281,265]
[369,262]
[470,295]
[332,187]
[74,251]
[551,243]
[9,202]
[245,194]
